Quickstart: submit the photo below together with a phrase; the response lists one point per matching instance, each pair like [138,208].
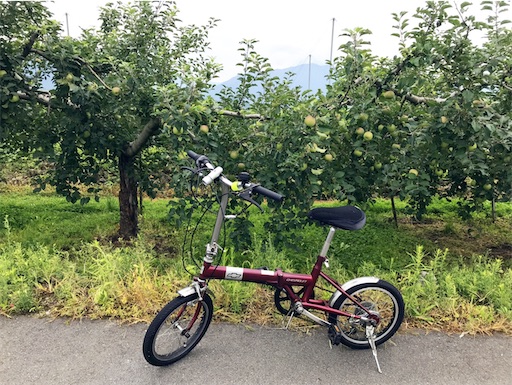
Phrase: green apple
[92,87]
[487,186]
[396,146]
[363,116]
[3,73]
[204,128]
[368,135]
[388,94]
[472,147]
[233,154]
[342,123]
[377,165]
[358,153]
[279,146]
[413,171]
[444,119]
[116,90]
[69,77]
[15,98]
[328,157]
[309,121]
[391,128]
[241,166]
[359,130]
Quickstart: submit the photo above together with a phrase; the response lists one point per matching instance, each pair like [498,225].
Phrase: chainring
[283,301]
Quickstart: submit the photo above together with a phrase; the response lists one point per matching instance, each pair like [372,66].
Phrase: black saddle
[345,217]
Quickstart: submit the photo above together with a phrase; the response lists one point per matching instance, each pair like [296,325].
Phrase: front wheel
[380,298]
[177,329]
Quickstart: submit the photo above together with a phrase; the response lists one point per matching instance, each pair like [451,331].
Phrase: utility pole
[309,73]
[332,39]
[67,23]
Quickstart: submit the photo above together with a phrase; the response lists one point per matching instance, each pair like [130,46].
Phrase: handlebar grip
[268,193]
[214,174]
[193,155]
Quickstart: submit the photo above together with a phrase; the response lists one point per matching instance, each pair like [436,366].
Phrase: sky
[289,32]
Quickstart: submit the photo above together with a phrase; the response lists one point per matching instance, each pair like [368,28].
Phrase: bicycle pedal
[334,335]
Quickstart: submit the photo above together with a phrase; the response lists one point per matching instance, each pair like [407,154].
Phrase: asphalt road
[41,351]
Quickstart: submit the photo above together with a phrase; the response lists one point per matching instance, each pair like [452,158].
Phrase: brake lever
[246,196]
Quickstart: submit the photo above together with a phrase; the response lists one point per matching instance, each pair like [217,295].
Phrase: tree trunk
[393,207]
[128,205]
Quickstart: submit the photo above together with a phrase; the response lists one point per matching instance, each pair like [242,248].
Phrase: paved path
[40,351]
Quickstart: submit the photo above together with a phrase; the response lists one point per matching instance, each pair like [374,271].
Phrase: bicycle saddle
[345,217]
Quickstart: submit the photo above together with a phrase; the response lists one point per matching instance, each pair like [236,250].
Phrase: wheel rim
[378,301]
[173,337]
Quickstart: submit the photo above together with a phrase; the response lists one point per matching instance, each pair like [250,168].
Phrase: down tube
[270,277]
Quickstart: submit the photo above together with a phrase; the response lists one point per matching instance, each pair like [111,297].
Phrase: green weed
[45,268]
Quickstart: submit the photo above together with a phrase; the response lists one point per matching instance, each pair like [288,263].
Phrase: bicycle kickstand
[370,335]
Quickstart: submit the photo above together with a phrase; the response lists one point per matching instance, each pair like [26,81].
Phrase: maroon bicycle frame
[283,280]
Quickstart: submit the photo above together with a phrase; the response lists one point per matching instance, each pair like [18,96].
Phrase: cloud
[288,31]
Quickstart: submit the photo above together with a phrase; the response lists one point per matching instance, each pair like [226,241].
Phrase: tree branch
[239,115]
[83,62]
[40,53]
[415,99]
[28,47]
[41,97]
[147,132]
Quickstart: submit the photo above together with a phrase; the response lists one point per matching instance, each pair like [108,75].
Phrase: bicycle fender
[189,290]
[349,285]
[185,292]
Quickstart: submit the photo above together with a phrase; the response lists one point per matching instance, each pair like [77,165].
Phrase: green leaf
[468,96]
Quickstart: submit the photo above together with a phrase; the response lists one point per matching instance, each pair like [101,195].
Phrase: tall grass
[131,282]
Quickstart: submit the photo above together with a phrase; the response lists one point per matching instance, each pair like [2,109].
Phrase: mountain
[307,77]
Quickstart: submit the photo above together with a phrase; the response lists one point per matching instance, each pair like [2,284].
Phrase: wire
[206,209]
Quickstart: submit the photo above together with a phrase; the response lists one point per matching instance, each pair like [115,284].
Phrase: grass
[50,220]
[55,258]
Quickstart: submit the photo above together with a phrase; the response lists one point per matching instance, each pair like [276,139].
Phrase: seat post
[327,242]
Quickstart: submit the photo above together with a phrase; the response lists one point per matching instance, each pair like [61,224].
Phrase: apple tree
[430,117]
[120,89]
[258,127]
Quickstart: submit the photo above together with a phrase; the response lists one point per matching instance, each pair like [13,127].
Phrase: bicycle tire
[381,297]
[171,336]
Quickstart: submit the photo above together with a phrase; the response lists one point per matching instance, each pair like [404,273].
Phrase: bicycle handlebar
[268,193]
[193,155]
[216,172]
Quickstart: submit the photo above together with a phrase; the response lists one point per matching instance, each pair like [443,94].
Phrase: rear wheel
[381,299]
[177,329]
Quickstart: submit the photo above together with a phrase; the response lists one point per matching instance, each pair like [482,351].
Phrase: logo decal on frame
[234,273]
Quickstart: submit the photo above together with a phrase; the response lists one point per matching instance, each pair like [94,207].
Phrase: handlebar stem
[212,247]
